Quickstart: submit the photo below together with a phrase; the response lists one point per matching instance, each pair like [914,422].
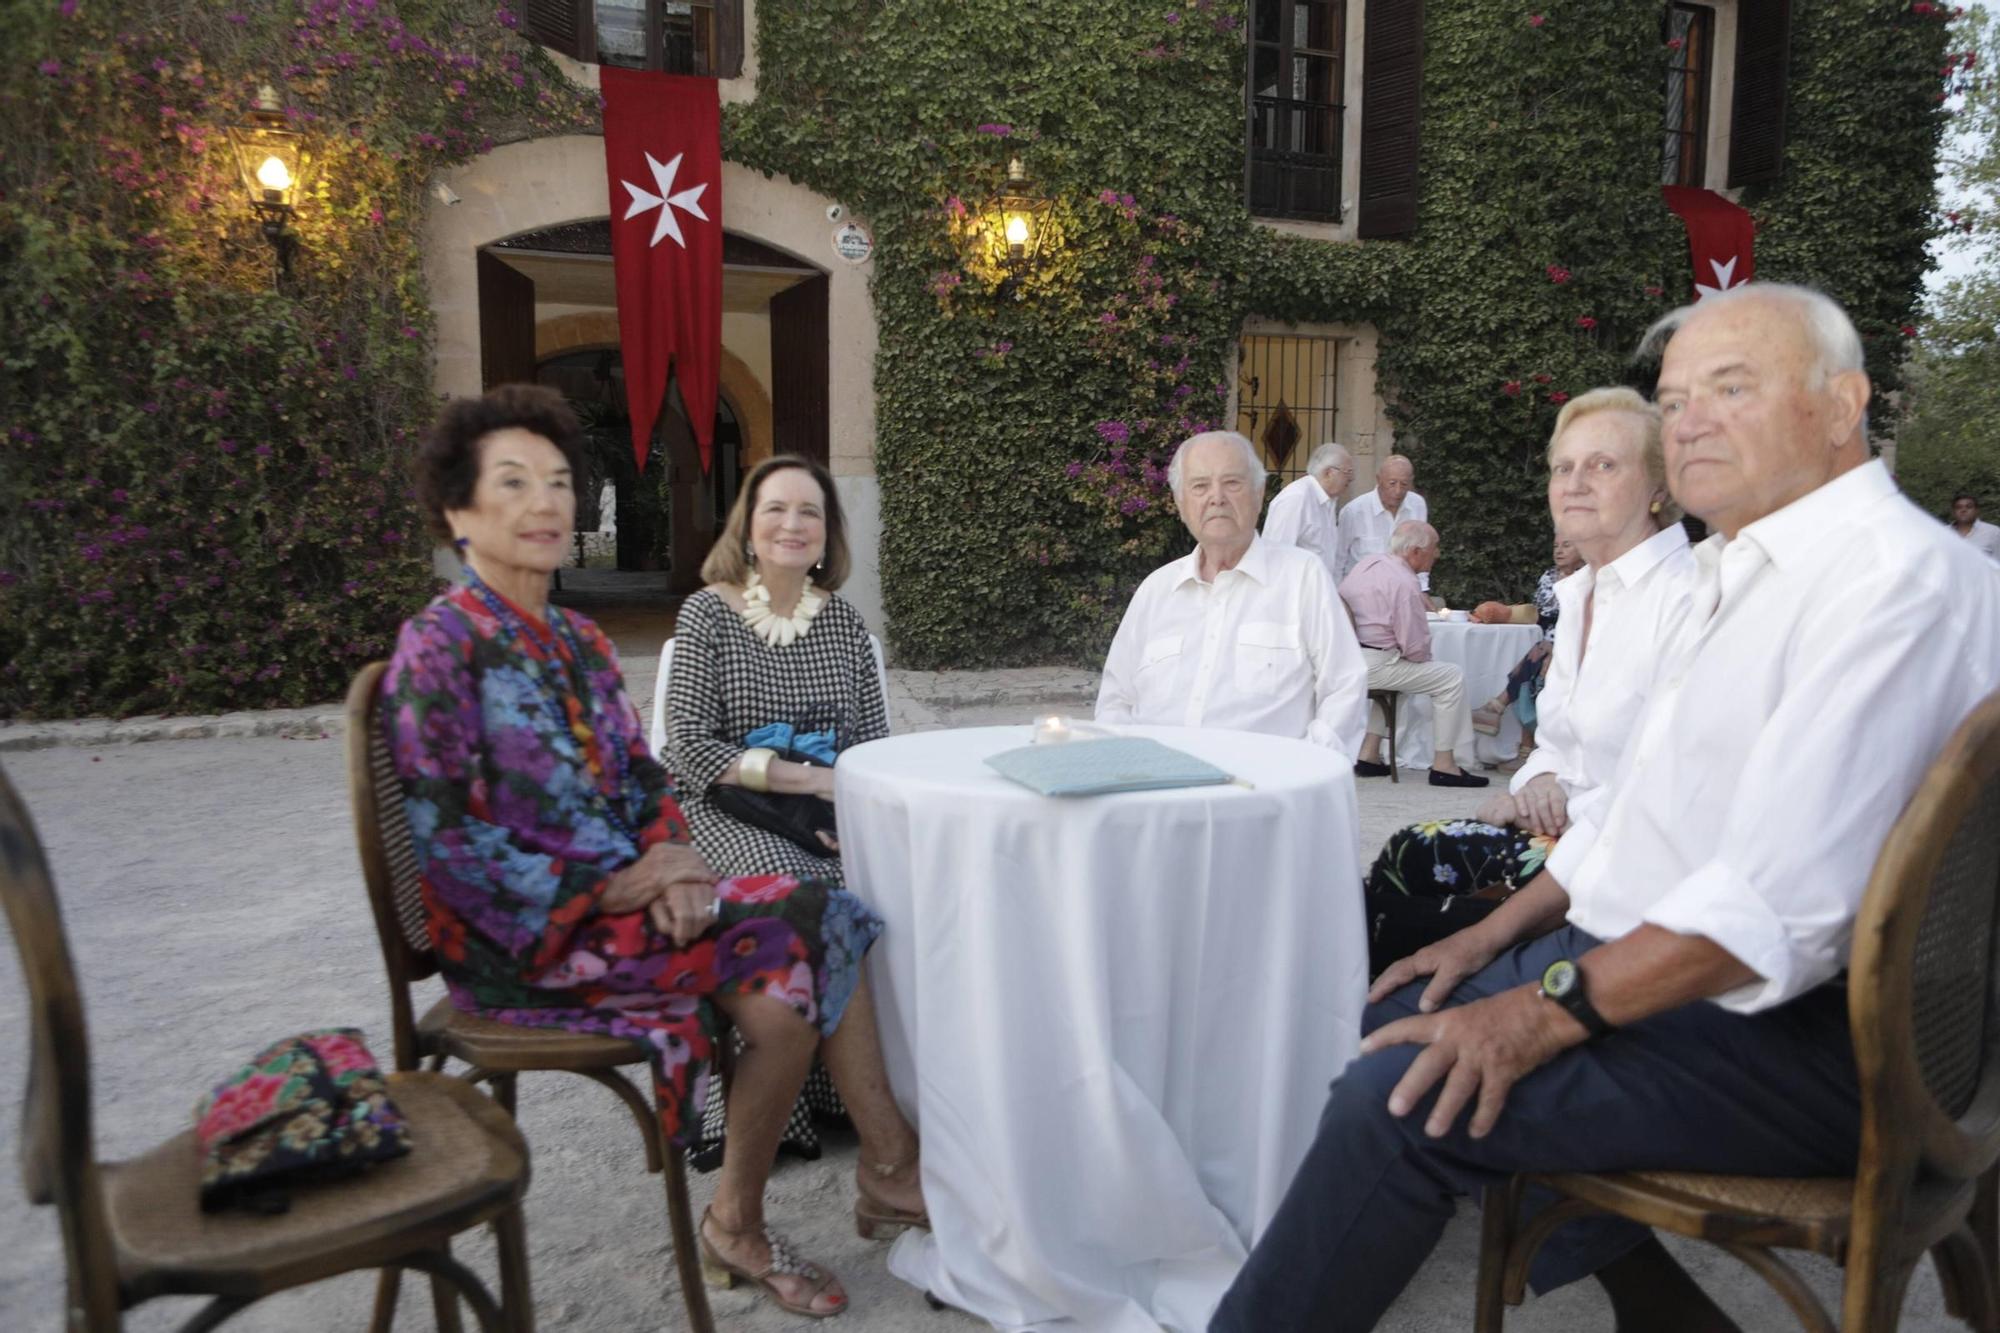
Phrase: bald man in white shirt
[1704,911]
[1242,633]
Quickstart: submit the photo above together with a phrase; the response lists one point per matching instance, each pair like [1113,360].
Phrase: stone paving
[213,902]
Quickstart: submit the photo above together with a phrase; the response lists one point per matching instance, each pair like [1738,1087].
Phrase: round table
[1486,653]
[1112,1018]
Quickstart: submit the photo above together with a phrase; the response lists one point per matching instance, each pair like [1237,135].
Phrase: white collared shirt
[1984,537]
[1365,529]
[1260,648]
[1587,707]
[1304,515]
[1828,653]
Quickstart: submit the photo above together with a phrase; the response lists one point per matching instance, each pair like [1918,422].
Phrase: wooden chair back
[58,1164]
[1925,1010]
[388,856]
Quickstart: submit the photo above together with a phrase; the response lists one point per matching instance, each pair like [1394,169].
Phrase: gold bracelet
[754,768]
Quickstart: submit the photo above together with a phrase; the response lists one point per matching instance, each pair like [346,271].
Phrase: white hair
[1412,536]
[1328,455]
[1242,442]
[1836,345]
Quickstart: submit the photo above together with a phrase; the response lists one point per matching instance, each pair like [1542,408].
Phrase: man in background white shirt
[1368,521]
[1242,633]
[1965,521]
[1706,919]
[1305,515]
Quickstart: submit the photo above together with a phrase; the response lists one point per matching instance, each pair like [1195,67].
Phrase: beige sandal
[720,1272]
[875,1220]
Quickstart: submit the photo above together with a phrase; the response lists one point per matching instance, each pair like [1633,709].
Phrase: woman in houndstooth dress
[727,680]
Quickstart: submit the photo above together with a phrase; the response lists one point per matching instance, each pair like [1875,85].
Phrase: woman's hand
[660,868]
[1492,613]
[1544,808]
[685,909]
[1499,810]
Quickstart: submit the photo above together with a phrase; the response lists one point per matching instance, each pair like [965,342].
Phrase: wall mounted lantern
[1022,226]
[271,157]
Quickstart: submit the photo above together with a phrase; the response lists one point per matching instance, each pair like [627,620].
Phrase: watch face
[1560,979]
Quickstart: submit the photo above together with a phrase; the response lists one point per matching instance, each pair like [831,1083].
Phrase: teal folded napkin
[1093,768]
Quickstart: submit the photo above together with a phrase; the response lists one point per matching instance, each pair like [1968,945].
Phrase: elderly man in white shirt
[1704,915]
[1305,514]
[1241,633]
[1369,520]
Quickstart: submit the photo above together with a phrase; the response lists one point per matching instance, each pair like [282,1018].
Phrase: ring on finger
[714,908]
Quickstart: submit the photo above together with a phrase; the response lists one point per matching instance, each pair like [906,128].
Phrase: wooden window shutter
[1392,71]
[1757,116]
[562,25]
[729,39]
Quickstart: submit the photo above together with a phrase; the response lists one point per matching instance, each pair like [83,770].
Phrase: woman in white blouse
[1608,496]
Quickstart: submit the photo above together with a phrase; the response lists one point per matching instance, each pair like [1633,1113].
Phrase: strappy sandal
[717,1271]
[875,1220]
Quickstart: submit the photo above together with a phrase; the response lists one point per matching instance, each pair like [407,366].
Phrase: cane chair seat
[487,1043]
[467,1161]
[1807,1213]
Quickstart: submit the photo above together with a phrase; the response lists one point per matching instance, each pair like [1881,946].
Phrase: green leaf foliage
[204,479]
[1020,430]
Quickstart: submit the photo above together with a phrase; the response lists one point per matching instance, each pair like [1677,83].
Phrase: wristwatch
[1563,983]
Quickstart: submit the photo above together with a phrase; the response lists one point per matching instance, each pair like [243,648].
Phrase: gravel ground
[213,903]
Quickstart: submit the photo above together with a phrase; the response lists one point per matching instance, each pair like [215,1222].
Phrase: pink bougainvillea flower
[1536,20]
[955,206]
[1543,378]
[67,9]
[1512,388]
[1656,291]
[996,129]
[50,67]
[1173,17]
[1675,43]
[1586,322]
[1558,397]
[1557,274]
[1909,330]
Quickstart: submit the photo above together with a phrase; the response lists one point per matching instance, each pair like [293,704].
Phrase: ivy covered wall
[203,479]
[1021,436]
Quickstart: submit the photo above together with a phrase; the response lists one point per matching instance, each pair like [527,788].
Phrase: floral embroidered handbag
[308,1108]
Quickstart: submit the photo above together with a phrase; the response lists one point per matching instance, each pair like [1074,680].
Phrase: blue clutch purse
[1095,768]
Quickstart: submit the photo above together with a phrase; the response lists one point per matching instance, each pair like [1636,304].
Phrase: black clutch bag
[794,816]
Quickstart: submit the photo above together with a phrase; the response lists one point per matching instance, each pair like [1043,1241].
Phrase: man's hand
[1543,806]
[1479,1050]
[1448,962]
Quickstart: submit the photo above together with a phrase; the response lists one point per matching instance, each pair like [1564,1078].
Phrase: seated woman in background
[767,658]
[1608,496]
[559,884]
[1524,682]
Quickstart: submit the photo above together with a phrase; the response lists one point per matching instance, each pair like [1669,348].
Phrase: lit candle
[1051,730]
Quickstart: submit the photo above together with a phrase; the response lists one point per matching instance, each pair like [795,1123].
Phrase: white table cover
[1112,1018]
[1486,653]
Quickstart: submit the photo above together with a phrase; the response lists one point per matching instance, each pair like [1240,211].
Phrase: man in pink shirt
[1387,603]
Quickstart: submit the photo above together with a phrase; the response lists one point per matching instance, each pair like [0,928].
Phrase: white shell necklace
[774,629]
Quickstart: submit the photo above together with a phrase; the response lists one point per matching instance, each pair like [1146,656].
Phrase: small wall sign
[852,242]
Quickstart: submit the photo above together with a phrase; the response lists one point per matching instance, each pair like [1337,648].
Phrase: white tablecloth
[1486,653]
[1112,1018]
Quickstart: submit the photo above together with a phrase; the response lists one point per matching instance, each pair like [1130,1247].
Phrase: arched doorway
[593,380]
[775,347]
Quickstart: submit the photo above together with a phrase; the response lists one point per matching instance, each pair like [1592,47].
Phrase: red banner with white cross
[1721,238]
[663,154]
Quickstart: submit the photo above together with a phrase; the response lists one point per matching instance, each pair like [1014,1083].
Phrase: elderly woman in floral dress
[558,879]
[1608,496]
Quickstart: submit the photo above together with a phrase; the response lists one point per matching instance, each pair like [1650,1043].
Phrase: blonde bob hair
[729,559]
[1652,453]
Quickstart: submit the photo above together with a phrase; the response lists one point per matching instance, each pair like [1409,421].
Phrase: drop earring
[462,543]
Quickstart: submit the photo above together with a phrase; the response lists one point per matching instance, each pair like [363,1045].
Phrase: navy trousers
[1695,1089]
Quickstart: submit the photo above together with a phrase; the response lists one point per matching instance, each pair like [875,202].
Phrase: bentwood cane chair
[1925,1013]
[134,1230]
[1383,699]
[497,1052]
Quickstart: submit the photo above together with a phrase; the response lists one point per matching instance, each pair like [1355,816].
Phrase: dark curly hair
[447,464]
